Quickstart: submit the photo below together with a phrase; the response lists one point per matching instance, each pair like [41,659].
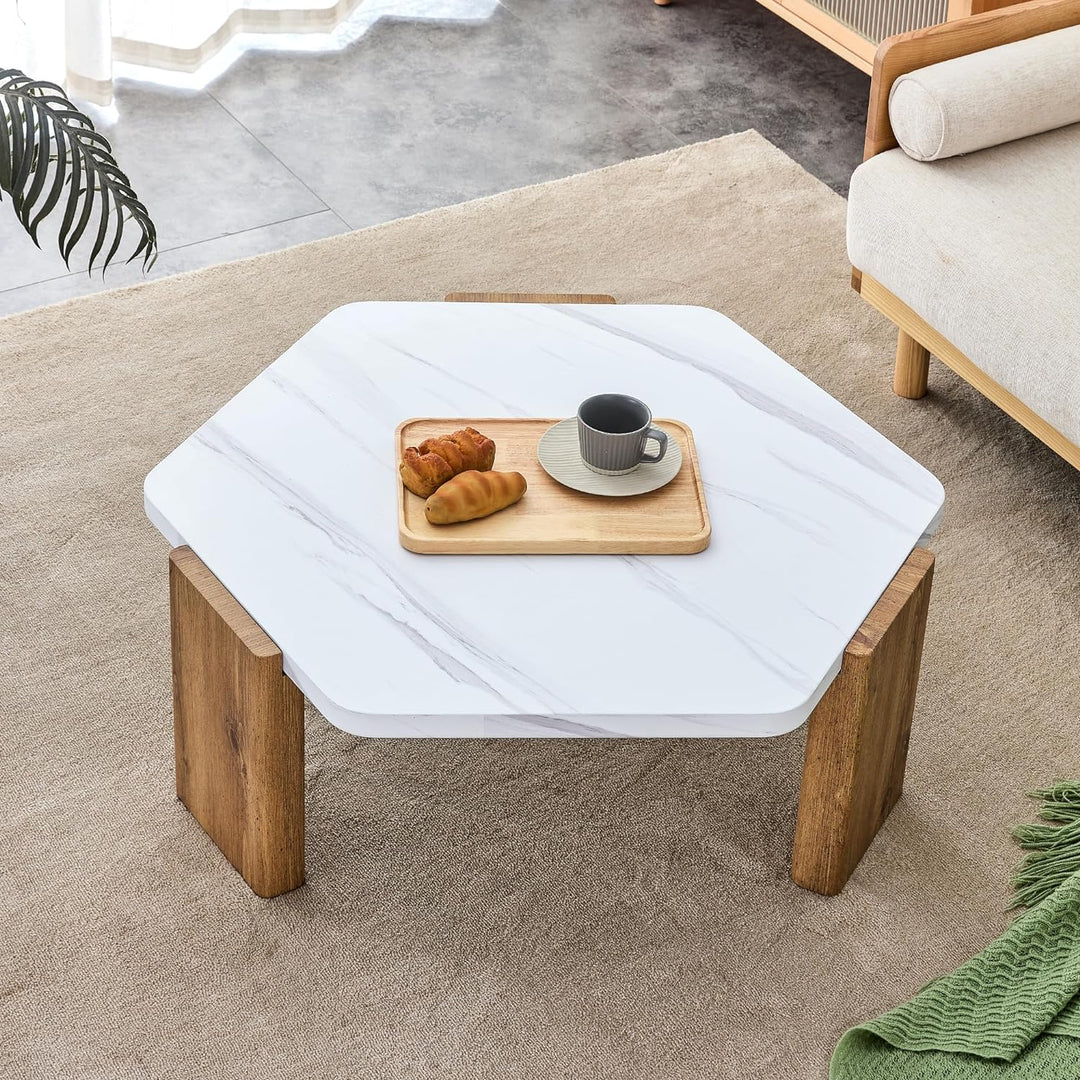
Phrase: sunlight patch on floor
[147,23]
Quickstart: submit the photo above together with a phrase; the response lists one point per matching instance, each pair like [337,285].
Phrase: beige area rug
[518,909]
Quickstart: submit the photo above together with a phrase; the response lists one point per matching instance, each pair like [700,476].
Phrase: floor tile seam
[183,247]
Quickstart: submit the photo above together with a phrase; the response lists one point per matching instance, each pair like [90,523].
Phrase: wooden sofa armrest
[908,52]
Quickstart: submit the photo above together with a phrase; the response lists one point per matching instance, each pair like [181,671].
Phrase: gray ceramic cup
[612,432]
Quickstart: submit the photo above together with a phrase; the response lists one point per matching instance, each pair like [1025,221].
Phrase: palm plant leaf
[47,144]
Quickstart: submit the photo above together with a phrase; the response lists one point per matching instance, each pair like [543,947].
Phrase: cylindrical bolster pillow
[988,98]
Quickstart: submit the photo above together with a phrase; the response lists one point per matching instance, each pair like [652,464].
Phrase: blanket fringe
[1053,850]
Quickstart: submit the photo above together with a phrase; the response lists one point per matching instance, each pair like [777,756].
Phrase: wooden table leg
[239,730]
[857,739]
[529,298]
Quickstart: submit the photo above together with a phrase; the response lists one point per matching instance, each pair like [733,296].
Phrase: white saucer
[560,455]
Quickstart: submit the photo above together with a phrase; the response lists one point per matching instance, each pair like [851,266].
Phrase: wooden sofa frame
[917,338]
[835,34]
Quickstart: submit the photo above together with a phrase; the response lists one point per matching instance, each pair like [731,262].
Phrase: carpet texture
[511,909]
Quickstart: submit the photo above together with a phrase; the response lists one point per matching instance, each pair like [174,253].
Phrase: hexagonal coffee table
[288,579]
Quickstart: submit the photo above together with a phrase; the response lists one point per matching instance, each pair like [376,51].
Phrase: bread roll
[425,467]
[474,494]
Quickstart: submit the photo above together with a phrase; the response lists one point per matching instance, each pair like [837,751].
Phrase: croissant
[426,467]
[474,494]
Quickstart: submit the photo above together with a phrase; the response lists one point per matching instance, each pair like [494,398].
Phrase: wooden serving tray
[552,519]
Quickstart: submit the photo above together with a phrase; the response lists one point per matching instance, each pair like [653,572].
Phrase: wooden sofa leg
[912,367]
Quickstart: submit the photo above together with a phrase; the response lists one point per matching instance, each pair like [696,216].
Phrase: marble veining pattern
[289,495]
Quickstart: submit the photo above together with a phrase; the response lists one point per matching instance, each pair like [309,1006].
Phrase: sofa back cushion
[988,98]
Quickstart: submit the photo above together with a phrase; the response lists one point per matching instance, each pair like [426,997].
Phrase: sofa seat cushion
[986,249]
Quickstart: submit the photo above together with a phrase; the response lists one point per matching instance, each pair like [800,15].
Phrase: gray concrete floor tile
[463,98]
[705,68]
[199,172]
[419,114]
[195,256]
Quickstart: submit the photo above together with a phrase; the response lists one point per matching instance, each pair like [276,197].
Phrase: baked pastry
[427,466]
[474,494]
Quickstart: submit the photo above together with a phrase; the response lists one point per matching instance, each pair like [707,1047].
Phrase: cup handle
[660,437]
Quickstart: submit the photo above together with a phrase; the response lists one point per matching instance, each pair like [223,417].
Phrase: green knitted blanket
[1013,1011]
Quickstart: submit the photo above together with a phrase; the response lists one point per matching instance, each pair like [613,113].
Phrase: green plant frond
[70,236]
[59,178]
[46,144]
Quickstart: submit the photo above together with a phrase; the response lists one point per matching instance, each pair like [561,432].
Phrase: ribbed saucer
[560,455]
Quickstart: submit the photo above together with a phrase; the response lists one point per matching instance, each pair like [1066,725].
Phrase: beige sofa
[967,234]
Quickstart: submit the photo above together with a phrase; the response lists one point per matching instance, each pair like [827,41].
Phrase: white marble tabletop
[288,494]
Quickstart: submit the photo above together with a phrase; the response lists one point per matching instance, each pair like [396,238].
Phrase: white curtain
[82,43]
[65,41]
